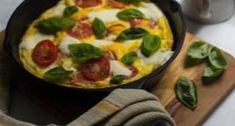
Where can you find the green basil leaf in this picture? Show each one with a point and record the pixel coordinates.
(129, 58)
(135, 2)
(99, 28)
(68, 11)
(150, 44)
(83, 52)
(54, 24)
(211, 72)
(198, 50)
(186, 92)
(132, 33)
(118, 79)
(57, 74)
(217, 59)
(129, 14)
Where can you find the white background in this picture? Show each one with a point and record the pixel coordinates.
(221, 35)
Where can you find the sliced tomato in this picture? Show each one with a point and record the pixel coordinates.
(81, 30)
(116, 4)
(45, 53)
(88, 3)
(135, 22)
(134, 72)
(96, 69)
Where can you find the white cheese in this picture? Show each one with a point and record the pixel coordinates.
(105, 15)
(101, 43)
(159, 57)
(64, 45)
(58, 10)
(30, 42)
(118, 69)
(151, 11)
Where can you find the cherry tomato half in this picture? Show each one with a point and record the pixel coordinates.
(116, 4)
(88, 3)
(134, 72)
(81, 30)
(96, 69)
(45, 53)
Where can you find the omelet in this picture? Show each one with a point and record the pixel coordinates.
(97, 43)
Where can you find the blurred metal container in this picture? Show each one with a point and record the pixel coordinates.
(208, 11)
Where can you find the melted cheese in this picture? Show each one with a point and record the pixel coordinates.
(66, 42)
(105, 15)
(119, 69)
(101, 43)
(151, 11)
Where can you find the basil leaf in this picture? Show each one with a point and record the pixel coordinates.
(135, 2)
(150, 44)
(68, 11)
(83, 52)
(132, 33)
(186, 92)
(54, 24)
(211, 72)
(57, 74)
(118, 79)
(217, 59)
(198, 50)
(129, 14)
(129, 58)
(99, 28)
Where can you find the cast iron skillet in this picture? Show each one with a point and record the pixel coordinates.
(29, 10)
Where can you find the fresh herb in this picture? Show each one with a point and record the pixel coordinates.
(99, 28)
(198, 50)
(57, 74)
(54, 24)
(129, 58)
(135, 2)
(186, 92)
(132, 33)
(68, 11)
(211, 72)
(129, 14)
(118, 79)
(217, 59)
(81, 53)
(150, 44)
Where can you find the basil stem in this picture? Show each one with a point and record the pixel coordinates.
(54, 24)
(68, 11)
(217, 59)
(57, 74)
(83, 52)
(129, 58)
(118, 79)
(198, 50)
(150, 44)
(99, 28)
(211, 72)
(129, 14)
(186, 92)
(132, 33)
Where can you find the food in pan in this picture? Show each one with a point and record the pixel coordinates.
(97, 43)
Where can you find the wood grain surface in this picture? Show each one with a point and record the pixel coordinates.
(210, 94)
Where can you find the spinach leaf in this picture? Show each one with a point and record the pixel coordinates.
(217, 59)
(186, 92)
(68, 11)
(83, 52)
(54, 24)
(57, 74)
(150, 44)
(211, 72)
(135, 2)
(99, 28)
(118, 79)
(198, 50)
(129, 14)
(129, 58)
(132, 33)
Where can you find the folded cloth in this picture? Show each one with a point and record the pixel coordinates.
(126, 107)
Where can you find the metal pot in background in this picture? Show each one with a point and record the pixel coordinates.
(208, 11)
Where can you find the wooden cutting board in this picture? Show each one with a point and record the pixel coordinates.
(210, 94)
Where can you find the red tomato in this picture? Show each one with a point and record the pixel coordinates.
(96, 69)
(81, 30)
(45, 53)
(88, 3)
(134, 72)
(116, 4)
(135, 22)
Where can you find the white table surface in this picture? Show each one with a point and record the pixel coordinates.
(221, 35)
